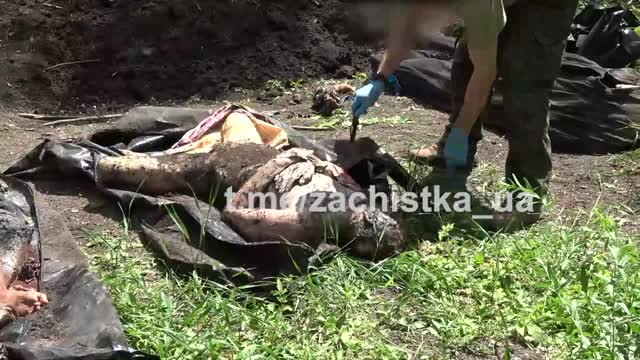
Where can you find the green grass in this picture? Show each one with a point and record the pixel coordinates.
(571, 291)
(341, 119)
(487, 179)
(627, 163)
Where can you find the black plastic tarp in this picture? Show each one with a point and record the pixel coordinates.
(80, 321)
(606, 35)
(589, 114)
(211, 247)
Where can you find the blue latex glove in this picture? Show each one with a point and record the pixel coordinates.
(366, 96)
(456, 149)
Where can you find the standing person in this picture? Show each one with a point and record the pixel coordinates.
(522, 42)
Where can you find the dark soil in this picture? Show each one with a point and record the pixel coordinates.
(161, 50)
(29, 271)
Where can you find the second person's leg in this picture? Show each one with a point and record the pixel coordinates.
(530, 55)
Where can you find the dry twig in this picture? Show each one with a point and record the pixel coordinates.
(310, 128)
(81, 120)
(47, 117)
(52, 6)
(72, 63)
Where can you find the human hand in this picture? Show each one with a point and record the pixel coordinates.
(456, 149)
(366, 96)
(24, 301)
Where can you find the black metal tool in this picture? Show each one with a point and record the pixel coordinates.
(355, 122)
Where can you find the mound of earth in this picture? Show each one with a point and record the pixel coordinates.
(139, 51)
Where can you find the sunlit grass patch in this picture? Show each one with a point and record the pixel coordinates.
(568, 291)
(627, 163)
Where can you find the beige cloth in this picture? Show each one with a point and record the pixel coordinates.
(237, 128)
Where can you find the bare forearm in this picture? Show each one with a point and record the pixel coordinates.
(394, 54)
(401, 39)
(476, 97)
(479, 86)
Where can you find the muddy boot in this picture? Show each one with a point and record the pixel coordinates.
(474, 216)
(510, 222)
(455, 181)
(516, 217)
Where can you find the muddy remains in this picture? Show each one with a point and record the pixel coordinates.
(29, 271)
(249, 169)
(19, 268)
(15, 236)
(203, 175)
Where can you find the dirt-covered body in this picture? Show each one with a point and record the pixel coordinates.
(201, 175)
(295, 179)
(304, 189)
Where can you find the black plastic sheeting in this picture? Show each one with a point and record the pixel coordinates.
(213, 248)
(80, 321)
(588, 113)
(606, 35)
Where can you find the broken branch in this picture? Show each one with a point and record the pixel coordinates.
(72, 63)
(47, 117)
(81, 120)
(311, 128)
(52, 6)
